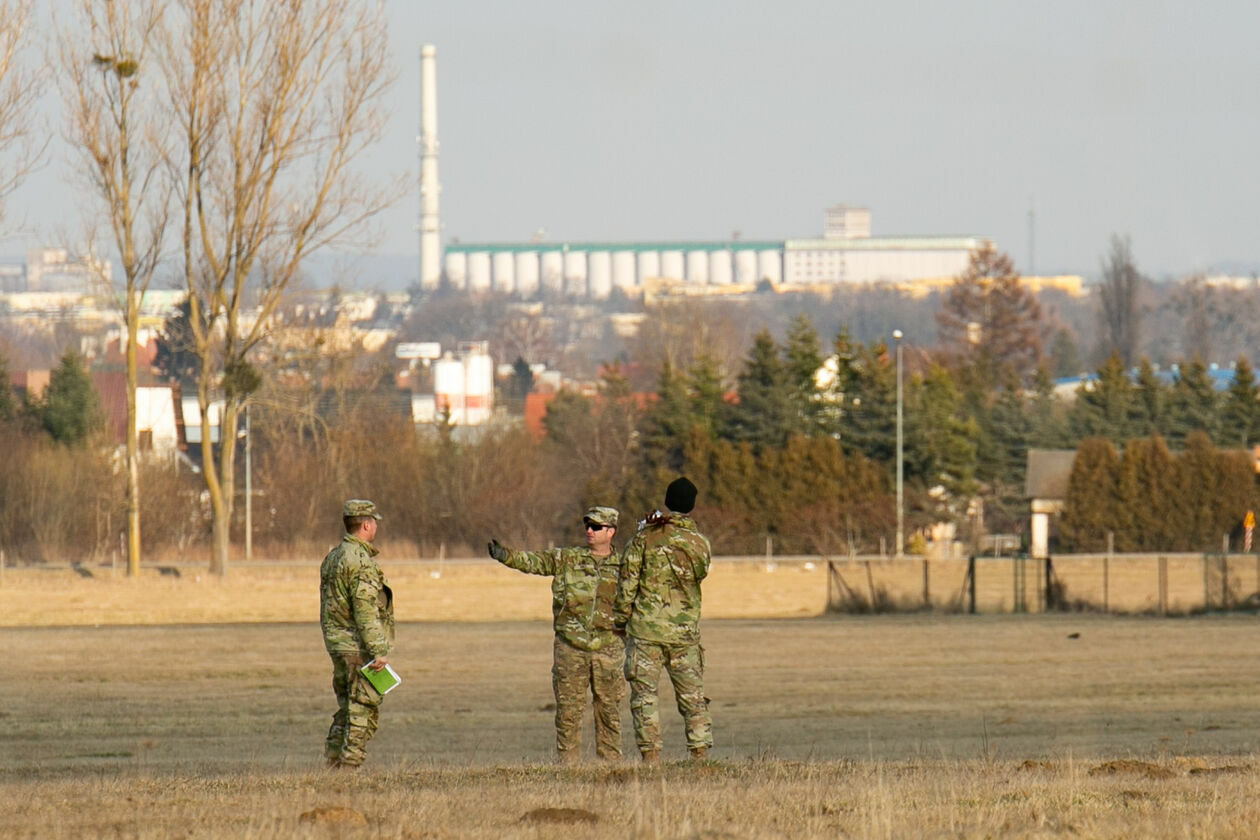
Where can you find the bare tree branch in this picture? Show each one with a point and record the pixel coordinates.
(22, 139)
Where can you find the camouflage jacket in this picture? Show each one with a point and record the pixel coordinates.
(582, 590)
(356, 605)
(658, 599)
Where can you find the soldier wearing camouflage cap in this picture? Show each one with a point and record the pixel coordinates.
(587, 650)
(356, 609)
(658, 604)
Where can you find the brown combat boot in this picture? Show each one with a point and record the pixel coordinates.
(651, 756)
(699, 753)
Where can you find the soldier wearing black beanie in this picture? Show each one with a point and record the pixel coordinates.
(658, 605)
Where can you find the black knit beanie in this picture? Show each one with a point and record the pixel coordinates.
(680, 496)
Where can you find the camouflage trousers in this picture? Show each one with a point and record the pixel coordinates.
(358, 708)
(685, 665)
(572, 671)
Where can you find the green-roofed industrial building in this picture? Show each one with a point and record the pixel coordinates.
(845, 254)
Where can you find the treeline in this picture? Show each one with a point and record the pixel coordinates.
(1147, 498)
(794, 444)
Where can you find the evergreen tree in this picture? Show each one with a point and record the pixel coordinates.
(733, 500)
(1006, 431)
(70, 408)
(708, 397)
(1240, 409)
(1199, 499)
(1065, 358)
(1146, 410)
(1048, 428)
(870, 405)
(764, 415)
(1103, 406)
(1090, 508)
(176, 357)
(1150, 496)
(667, 422)
(830, 503)
(801, 361)
(940, 441)
(837, 394)
(1192, 405)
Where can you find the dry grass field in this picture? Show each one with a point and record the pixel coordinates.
(886, 726)
(425, 590)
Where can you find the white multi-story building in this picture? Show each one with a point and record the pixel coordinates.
(53, 270)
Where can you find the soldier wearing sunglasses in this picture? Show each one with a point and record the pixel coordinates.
(588, 650)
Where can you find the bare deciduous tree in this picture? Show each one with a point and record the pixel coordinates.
(21, 143)
(1120, 300)
(111, 90)
(273, 103)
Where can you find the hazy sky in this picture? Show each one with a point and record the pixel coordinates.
(694, 118)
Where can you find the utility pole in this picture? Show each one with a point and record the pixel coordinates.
(901, 523)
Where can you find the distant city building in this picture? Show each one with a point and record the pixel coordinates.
(845, 254)
(53, 270)
(841, 221)
(12, 278)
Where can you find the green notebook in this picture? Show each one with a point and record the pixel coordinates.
(383, 680)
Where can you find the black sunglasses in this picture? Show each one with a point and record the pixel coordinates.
(595, 526)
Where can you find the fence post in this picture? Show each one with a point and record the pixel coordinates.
(1, 567)
(1163, 585)
(1047, 572)
(927, 594)
(971, 579)
(830, 572)
(1207, 582)
(1225, 581)
(1017, 578)
(1111, 545)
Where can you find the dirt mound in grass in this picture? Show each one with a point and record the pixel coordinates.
(1132, 767)
(560, 815)
(1224, 769)
(333, 816)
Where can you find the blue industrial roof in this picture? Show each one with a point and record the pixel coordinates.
(1221, 377)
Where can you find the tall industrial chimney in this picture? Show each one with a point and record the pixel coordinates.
(430, 229)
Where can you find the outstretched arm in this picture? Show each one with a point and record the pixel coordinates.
(530, 562)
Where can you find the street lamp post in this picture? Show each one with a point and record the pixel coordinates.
(901, 523)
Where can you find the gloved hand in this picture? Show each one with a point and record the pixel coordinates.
(497, 551)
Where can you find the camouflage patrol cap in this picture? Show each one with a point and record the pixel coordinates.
(359, 507)
(601, 515)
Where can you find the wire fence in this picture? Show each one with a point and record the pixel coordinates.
(1156, 584)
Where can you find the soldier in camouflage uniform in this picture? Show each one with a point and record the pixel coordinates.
(658, 603)
(587, 649)
(356, 609)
